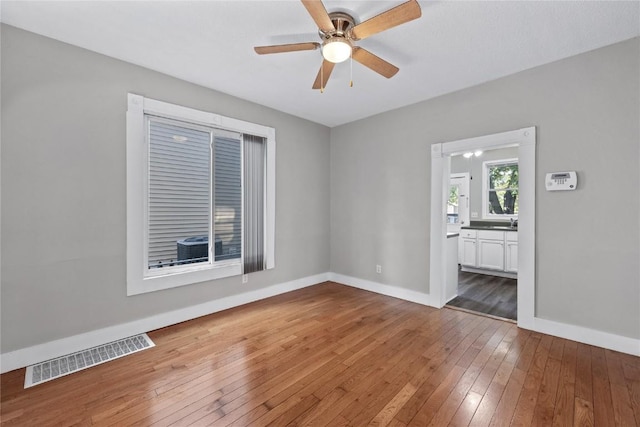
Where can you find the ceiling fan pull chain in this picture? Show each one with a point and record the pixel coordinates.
(322, 78)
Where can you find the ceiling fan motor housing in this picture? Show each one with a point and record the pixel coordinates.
(337, 42)
(343, 23)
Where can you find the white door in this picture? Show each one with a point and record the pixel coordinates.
(458, 202)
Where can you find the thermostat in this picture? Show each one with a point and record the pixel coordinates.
(559, 181)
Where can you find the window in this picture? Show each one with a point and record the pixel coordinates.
(452, 204)
(500, 189)
(200, 196)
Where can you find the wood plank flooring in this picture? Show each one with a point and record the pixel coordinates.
(331, 355)
(497, 296)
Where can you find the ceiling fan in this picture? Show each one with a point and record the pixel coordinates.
(338, 32)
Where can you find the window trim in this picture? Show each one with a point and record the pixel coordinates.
(137, 181)
(485, 188)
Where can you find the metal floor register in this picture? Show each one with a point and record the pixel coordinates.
(65, 365)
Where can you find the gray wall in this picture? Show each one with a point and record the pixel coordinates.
(586, 110)
(64, 186)
(473, 166)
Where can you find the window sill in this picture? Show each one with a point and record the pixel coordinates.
(182, 278)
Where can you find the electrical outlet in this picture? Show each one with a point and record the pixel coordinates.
(245, 278)
(378, 268)
(474, 214)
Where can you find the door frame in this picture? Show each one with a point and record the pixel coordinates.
(525, 140)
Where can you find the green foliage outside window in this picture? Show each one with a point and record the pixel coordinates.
(503, 189)
(453, 195)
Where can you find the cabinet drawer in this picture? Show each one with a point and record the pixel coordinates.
(511, 236)
(469, 234)
(490, 235)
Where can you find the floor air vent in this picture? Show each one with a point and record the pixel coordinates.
(65, 365)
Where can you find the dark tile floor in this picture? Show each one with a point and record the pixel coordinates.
(482, 293)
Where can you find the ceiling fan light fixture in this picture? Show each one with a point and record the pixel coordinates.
(336, 49)
(470, 154)
(339, 33)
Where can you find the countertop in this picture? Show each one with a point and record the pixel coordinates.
(489, 226)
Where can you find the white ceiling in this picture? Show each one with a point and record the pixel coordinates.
(453, 45)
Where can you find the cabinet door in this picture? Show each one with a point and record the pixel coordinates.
(511, 257)
(467, 252)
(491, 254)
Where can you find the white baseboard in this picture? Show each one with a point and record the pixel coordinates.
(587, 336)
(42, 352)
(506, 274)
(452, 298)
(549, 327)
(379, 288)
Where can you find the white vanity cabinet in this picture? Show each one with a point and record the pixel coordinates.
(491, 249)
(467, 255)
(511, 252)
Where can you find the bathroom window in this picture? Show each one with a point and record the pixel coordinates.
(500, 189)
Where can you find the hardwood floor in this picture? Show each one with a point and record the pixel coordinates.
(338, 356)
(497, 296)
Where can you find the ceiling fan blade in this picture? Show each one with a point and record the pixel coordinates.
(279, 48)
(319, 14)
(323, 74)
(405, 12)
(377, 64)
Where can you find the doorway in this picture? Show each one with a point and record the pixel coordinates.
(488, 242)
(524, 140)
(458, 202)
(486, 294)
